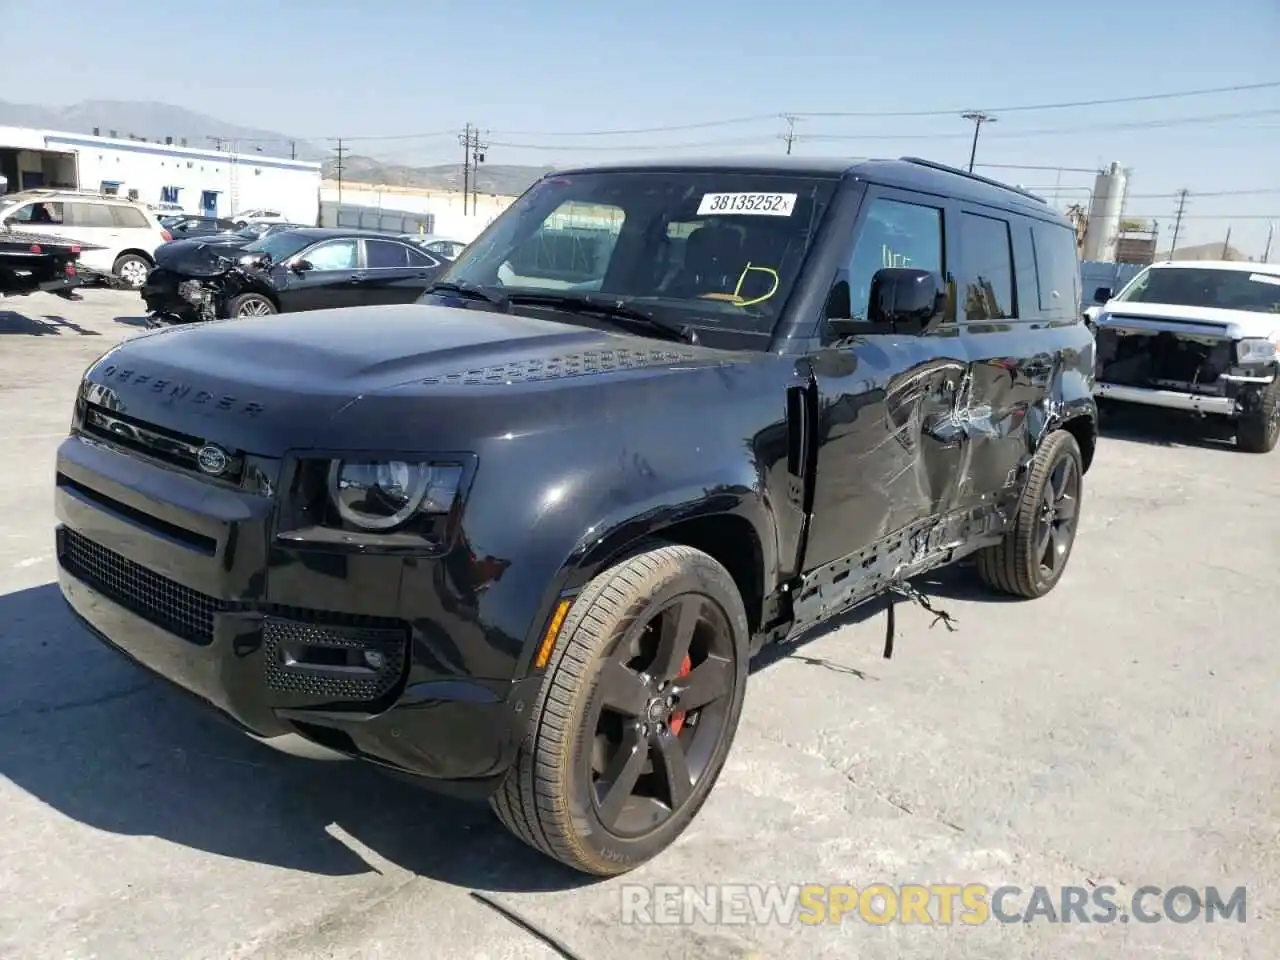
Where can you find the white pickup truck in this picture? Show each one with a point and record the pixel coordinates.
(1200, 336)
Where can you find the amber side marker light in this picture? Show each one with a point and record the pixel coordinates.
(553, 631)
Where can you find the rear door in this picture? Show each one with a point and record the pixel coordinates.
(879, 468)
(1006, 315)
(331, 280)
(91, 224)
(395, 272)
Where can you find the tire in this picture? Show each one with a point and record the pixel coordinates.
(1047, 517)
(132, 269)
(612, 638)
(1259, 429)
(250, 305)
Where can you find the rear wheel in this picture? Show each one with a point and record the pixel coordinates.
(250, 305)
(132, 269)
(1031, 559)
(1259, 429)
(636, 715)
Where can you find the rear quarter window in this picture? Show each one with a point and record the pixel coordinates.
(129, 218)
(1058, 270)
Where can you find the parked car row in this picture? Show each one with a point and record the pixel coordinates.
(284, 269)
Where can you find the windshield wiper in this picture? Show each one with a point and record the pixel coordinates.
(472, 290)
(614, 309)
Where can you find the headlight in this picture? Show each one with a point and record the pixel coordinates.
(1255, 351)
(383, 494)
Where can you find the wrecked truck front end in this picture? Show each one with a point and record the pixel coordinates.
(1197, 366)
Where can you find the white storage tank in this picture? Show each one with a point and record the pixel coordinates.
(1103, 227)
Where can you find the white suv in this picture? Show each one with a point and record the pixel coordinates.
(125, 230)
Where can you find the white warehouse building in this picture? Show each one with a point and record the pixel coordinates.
(211, 182)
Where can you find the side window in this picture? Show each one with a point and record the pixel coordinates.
(1058, 269)
(420, 258)
(986, 269)
(225, 224)
(38, 213)
(893, 234)
(333, 255)
(128, 218)
(385, 255)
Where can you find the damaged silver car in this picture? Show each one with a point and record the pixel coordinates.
(1197, 336)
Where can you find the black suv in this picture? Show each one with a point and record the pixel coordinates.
(522, 539)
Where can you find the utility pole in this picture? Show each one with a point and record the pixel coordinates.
(790, 136)
(1226, 246)
(218, 142)
(293, 149)
(477, 157)
(338, 164)
(1266, 254)
(1177, 221)
(978, 118)
(465, 140)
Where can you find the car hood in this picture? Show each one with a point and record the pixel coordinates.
(265, 385)
(199, 257)
(1236, 324)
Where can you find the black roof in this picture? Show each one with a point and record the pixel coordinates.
(328, 233)
(907, 173)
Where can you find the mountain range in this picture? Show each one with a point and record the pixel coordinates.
(154, 121)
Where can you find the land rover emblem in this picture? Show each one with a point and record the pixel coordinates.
(212, 460)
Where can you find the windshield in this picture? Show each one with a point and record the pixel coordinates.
(1205, 287)
(718, 249)
(279, 246)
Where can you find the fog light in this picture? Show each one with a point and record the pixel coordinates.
(374, 660)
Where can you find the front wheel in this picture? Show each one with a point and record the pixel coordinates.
(250, 305)
(1259, 430)
(1031, 558)
(132, 269)
(636, 715)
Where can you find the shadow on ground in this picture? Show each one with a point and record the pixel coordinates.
(106, 744)
(1167, 428)
(49, 324)
(133, 321)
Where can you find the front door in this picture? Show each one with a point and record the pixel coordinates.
(395, 272)
(881, 463)
(209, 203)
(330, 277)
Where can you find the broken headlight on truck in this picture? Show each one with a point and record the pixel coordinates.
(383, 494)
(401, 502)
(1255, 351)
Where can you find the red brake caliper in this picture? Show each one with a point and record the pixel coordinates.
(677, 719)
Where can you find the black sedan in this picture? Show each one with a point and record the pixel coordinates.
(189, 227)
(309, 268)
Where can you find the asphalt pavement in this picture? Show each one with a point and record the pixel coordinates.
(1119, 732)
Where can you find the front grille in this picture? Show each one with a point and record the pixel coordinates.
(166, 603)
(308, 653)
(169, 446)
(330, 661)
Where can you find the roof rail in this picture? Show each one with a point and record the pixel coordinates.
(934, 165)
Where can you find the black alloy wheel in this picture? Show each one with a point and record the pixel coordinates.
(657, 720)
(1033, 555)
(636, 715)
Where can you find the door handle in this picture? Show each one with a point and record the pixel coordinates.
(358, 278)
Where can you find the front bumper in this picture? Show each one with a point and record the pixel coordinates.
(361, 654)
(1169, 399)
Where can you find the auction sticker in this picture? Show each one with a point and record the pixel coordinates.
(1255, 277)
(757, 204)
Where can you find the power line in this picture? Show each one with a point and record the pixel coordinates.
(892, 137)
(1019, 108)
(886, 114)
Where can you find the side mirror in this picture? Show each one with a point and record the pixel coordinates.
(1102, 295)
(301, 266)
(905, 300)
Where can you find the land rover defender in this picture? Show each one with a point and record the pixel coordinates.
(521, 539)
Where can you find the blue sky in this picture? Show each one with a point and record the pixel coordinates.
(529, 72)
